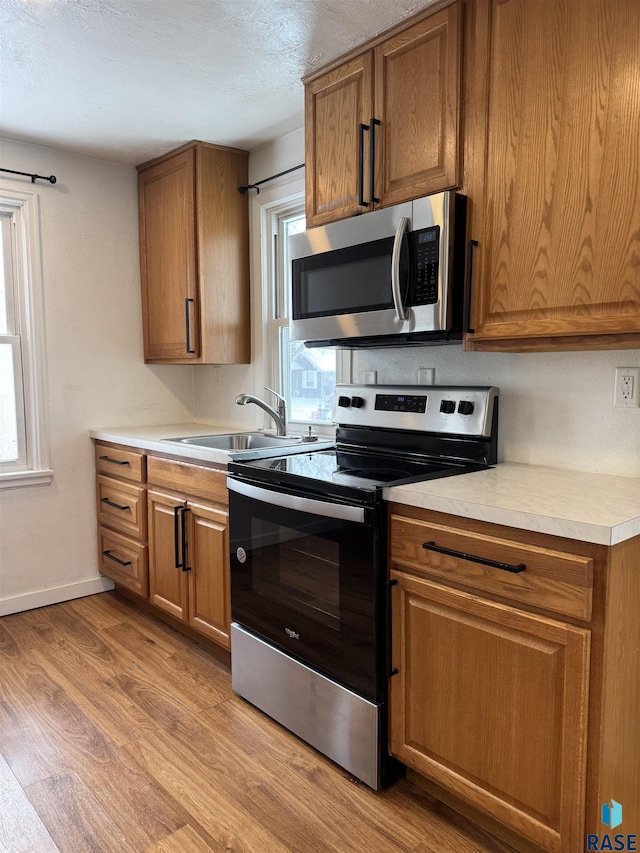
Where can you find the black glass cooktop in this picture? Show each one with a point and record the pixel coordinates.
(344, 468)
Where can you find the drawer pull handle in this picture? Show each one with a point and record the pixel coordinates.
(114, 504)
(506, 567)
(110, 556)
(114, 461)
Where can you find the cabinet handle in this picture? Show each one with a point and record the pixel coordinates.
(372, 162)
(506, 567)
(391, 670)
(187, 323)
(180, 538)
(361, 130)
(176, 536)
(114, 504)
(113, 461)
(110, 556)
(185, 567)
(471, 244)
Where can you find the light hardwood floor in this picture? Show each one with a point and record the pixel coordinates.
(119, 735)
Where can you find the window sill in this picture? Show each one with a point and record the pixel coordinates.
(15, 479)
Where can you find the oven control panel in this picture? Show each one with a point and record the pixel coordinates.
(449, 409)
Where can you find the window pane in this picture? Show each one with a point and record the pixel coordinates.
(5, 256)
(8, 421)
(313, 380)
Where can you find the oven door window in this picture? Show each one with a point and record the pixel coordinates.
(307, 584)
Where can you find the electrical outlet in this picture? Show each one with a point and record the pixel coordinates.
(217, 377)
(627, 392)
(426, 375)
(370, 377)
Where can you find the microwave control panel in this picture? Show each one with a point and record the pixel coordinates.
(427, 258)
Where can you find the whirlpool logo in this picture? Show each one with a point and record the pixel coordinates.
(611, 815)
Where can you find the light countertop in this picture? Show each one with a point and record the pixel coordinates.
(150, 438)
(574, 504)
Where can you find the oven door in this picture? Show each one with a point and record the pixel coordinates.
(306, 576)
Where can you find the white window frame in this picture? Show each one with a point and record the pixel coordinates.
(272, 282)
(27, 339)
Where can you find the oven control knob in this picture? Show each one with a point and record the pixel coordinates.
(345, 402)
(357, 402)
(465, 407)
(448, 407)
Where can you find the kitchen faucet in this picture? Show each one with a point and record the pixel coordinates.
(279, 416)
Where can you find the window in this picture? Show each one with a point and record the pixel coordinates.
(23, 456)
(306, 378)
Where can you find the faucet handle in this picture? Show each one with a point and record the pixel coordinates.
(275, 394)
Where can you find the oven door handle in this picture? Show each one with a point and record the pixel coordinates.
(296, 502)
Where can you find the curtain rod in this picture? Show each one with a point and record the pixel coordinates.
(52, 178)
(257, 184)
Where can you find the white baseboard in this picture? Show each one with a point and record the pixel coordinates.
(43, 597)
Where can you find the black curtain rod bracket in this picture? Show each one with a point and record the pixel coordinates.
(52, 178)
(257, 184)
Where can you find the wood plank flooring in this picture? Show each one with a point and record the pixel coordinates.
(119, 735)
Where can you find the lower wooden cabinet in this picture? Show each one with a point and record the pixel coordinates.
(491, 703)
(124, 560)
(189, 545)
(188, 563)
(517, 677)
(163, 535)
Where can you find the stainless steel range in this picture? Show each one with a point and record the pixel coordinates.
(310, 634)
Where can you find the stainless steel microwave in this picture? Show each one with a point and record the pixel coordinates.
(392, 277)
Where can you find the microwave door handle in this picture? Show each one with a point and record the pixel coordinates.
(401, 311)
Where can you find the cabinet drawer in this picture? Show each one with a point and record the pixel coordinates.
(117, 462)
(123, 506)
(123, 560)
(196, 480)
(551, 580)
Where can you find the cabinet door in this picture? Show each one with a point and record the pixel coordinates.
(336, 104)
(170, 306)
(559, 244)
(208, 546)
(167, 582)
(417, 100)
(491, 704)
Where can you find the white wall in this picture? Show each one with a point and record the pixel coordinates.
(95, 371)
(556, 409)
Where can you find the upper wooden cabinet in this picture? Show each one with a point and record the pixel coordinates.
(552, 170)
(382, 127)
(194, 256)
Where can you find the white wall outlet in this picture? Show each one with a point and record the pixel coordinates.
(217, 377)
(426, 376)
(627, 391)
(370, 377)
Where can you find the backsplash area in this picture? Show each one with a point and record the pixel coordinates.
(556, 409)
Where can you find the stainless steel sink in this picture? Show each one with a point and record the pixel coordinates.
(237, 441)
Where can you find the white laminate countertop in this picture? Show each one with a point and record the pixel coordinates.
(150, 438)
(588, 507)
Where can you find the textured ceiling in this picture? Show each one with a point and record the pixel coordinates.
(129, 79)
